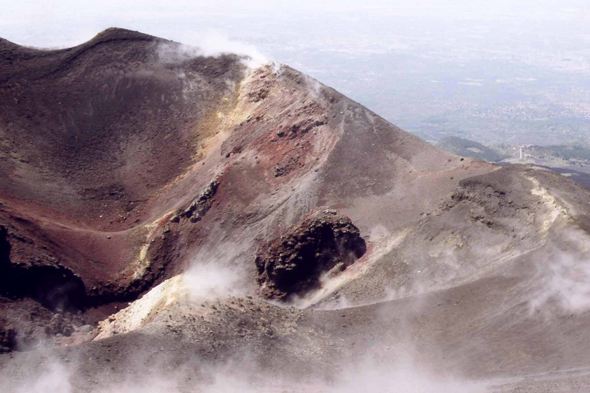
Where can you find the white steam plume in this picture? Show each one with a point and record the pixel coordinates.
(212, 275)
(52, 377)
(564, 271)
(364, 376)
(209, 280)
(211, 44)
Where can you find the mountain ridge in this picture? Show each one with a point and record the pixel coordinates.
(151, 181)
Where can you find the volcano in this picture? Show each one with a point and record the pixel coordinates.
(176, 222)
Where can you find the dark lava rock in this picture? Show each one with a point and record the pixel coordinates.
(200, 206)
(287, 166)
(294, 262)
(7, 338)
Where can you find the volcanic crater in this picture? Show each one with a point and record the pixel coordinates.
(202, 212)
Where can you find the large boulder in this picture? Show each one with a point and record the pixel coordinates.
(294, 262)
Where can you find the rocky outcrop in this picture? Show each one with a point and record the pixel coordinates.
(293, 263)
(7, 337)
(201, 205)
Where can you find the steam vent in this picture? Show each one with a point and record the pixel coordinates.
(175, 222)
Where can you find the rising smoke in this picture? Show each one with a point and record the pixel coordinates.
(211, 44)
(243, 376)
(564, 273)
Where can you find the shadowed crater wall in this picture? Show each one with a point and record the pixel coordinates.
(55, 287)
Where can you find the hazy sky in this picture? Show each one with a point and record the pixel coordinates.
(479, 69)
(67, 22)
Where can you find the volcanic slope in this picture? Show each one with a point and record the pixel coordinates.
(131, 163)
